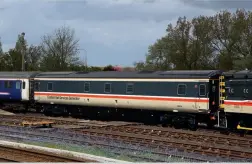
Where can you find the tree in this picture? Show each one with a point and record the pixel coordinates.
(224, 38)
(33, 58)
(222, 41)
(94, 69)
(2, 63)
(201, 50)
(14, 56)
(139, 66)
(109, 68)
(179, 43)
(243, 46)
(158, 57)
(60, 49)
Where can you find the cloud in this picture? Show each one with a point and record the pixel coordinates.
(115, 10)
(111, 31)
(220, 4)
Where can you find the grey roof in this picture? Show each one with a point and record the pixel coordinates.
(143, 74)
(17, 74)
(238, 74)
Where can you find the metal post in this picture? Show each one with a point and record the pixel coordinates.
(86, 64)
(22, 51)
(218, 118)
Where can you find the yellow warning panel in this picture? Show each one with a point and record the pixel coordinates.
(243, 128)
(41, 123)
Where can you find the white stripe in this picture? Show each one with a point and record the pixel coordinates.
(121, 79)
(4, 93)
(237, 100)
(122, 95)
(10, 79)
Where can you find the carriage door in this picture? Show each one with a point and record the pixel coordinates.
(201, 103)
(25, 93)
(213, 95)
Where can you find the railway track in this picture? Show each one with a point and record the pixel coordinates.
(6, 160)
(186, 141)
(18, 135)
(171, 133)
(10, 154)
(17, 119)
(202, 141)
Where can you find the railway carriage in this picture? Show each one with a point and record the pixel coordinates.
(238, 101)
(176, 96)
(15, 90)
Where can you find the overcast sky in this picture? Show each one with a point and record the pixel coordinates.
(112, 31)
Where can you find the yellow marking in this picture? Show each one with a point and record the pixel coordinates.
(222, 83)
(243, 128)
(222, 98)
(222, 106)
(26, 123)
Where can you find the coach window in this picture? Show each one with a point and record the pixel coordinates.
(130, 88)
(7, 84)
(107, 87)
(18, 85)
(36, 87)
(49, 86)
(86, 87)
(181, 90)
(202, 90)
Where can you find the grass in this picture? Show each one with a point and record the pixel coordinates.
(93, 150)
(99, 151)
(88, 150)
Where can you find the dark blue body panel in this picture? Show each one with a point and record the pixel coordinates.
(10, 90)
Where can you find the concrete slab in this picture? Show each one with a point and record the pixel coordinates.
(3, 112)
(70, 126)
(61, 152)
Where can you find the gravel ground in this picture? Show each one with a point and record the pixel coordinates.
(64, 139)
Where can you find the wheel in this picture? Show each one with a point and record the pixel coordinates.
(210, 124)
(192, 124)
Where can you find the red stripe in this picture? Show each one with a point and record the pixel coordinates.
(123, 97)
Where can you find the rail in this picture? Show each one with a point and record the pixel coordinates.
(12, 154)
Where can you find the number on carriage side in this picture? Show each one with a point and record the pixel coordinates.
(231, 90)
(245, 91)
